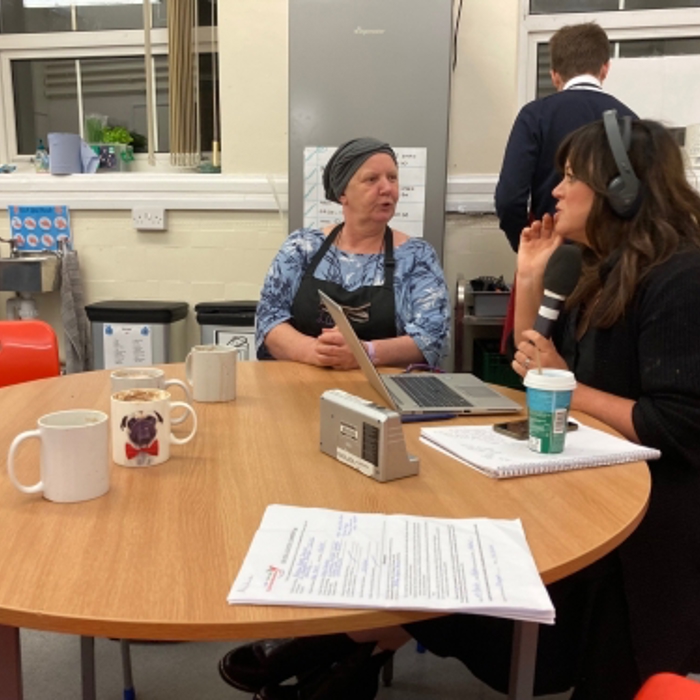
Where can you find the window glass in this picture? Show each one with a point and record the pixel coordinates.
(659, 4)
(636, 48)
(206, 87)
(45, 100)
(546, 7)
(16, 19)
(660, 47)
(33, 16)
(544, 80)
(115, 88)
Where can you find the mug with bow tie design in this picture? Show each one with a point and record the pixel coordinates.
(141, 420)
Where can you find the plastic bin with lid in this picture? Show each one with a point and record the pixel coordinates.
(228, 323)
(137, 333)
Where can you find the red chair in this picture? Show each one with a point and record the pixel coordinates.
(28, 350)
(668, 686)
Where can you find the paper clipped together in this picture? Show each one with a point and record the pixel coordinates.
(313, 557)
(500, 456)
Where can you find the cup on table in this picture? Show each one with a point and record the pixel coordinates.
(548, 401)
(211, 371)
(141, 423)
(74, 462)
(148, 378)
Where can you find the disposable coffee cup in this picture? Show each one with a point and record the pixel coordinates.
(548, 401)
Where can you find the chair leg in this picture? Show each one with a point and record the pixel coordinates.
(87, 668)
(388, 672)
(129, 692)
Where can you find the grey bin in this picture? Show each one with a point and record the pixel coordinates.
(128, 333)
(229, 323)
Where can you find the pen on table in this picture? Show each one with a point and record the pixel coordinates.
(420, 417)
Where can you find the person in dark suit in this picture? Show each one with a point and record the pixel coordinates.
(580, 61)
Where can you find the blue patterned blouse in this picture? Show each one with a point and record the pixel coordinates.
(422, 300)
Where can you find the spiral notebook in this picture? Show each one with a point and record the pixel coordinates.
(500, 457)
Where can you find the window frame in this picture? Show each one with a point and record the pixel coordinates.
(620, 25)
(71, 45)
(165, 185)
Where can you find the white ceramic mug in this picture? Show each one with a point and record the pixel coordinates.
(141, 423)
(147, 378)
(211, 370)
(74, 464)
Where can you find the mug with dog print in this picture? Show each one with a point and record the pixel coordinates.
(141, 423)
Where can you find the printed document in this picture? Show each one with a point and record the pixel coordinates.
(326, 558)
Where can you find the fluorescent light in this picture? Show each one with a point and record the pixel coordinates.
(68, 3)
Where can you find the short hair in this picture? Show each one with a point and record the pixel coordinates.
(577, 49)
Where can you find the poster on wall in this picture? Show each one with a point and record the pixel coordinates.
(319, 212)
(39, 229)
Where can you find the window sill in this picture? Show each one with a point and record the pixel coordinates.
(127, 190)
(465, 194)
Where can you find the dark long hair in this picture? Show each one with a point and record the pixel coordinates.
(623, 251)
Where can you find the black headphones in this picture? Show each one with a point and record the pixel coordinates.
(624, 190)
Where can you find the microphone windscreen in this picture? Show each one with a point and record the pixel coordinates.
(563, 270)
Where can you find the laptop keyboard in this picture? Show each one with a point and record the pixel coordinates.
(427, 390)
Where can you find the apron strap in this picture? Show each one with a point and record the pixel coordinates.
(325, 247)
(389, 262)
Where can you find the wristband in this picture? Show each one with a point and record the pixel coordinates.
(371, 353)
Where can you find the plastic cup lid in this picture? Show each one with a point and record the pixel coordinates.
(550, 380)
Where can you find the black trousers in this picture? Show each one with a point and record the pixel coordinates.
(589, 648)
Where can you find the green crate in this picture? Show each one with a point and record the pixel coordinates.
(493, 367)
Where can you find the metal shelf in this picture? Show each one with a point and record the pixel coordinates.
(483, 320)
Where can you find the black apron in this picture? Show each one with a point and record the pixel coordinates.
(370, 310)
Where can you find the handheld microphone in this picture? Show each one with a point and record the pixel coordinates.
(560, 279)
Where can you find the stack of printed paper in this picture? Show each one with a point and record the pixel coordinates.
(325, 558)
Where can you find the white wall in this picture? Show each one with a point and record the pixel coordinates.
(254, 95)
(210, 256)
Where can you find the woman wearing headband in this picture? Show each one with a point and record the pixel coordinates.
(629, 334)
(391, 286)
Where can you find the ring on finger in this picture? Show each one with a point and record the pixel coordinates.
(527, 363)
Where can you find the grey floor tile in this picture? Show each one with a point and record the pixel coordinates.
(187, 671)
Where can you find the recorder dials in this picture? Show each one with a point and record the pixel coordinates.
(365, 436)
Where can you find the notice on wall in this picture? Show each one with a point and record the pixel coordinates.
(127, 345)
(38, 229)
(319, 212)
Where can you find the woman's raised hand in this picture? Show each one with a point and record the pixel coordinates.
(537, 243)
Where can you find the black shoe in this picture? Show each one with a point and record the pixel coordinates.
(354, 678)
(273, 661)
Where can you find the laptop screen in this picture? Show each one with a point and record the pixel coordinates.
(357, 348)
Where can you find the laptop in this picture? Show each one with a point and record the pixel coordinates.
(424, 393)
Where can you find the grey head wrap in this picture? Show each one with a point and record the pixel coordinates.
(346, 161)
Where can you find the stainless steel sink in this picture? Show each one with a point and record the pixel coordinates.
(30, 273)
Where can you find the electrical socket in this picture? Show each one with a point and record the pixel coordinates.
(148, 218)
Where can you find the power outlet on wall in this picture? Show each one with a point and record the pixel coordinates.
(148, 218)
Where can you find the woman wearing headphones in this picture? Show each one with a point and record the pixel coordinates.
(629, 333)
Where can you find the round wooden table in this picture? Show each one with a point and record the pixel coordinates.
(156, 556)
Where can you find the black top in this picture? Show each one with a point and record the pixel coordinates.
(652, 356)
(528, 170)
